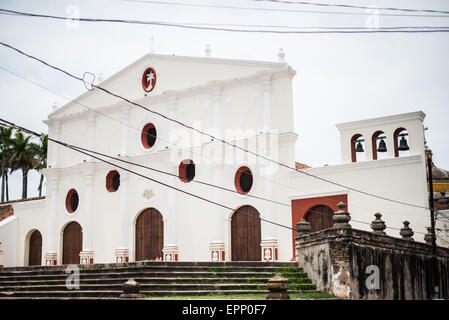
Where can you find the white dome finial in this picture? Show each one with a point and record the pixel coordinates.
(100, 77)
(55, 105)
(208, 50)
(281, 55)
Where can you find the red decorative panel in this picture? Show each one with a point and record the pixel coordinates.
(149, 79)
(301, 206)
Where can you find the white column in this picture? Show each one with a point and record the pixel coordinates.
(217, 246)
(266, 86)
(51, 256)
(269, 242)
(87, 254)
(90, 132)
(125, 120)
(55, 135)
(171, 249)
(122, 250)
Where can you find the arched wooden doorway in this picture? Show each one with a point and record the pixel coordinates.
(72, 243)
(320, 218)
(35, 249)
(149, 235)
(246, 235)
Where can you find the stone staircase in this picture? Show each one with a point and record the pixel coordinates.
(156, 279)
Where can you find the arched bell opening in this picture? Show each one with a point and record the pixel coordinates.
(379, 143)
(357, 148)
(401, 142)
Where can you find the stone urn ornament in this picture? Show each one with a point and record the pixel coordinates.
(378, 225)
(277, 287)
(341, 217)
(131, 290)
(407, 232)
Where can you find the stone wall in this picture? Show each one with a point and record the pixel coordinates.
(357, 264)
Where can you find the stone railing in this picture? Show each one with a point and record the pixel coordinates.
(356, 264)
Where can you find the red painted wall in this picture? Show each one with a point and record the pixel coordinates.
(301, 206)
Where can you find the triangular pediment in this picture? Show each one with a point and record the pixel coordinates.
(171, 73)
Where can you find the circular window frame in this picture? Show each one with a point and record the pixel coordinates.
(70, 211)
(110, 181)
(143, 136)
(182, 173)
(147, 70)
(237, 177)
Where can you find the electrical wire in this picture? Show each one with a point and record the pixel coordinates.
(208, 28)
(96, 155)
(289, 187)
(89, 153)
(281, 10)
(352, 6)
(206, 134)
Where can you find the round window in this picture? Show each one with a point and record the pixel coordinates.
(72, 201)
(243, 180)
(186, 170)
(113, 181)
(149, 135)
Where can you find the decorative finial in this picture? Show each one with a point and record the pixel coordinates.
(341, 217)
(407, 232)
(100, 77)
(428, 236)
(378, 225)
(208, 50)
(302, 227)
(281, 55)
(55, 105)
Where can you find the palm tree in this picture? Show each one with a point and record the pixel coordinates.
(5, 154)
(23, 158)
(40, 153)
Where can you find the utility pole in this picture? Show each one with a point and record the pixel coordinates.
(431, 205)
(432, 226)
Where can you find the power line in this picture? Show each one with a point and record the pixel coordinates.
(97, 154)
(281, 10)
(206, 134)
(209, 28)
(148, 133)
(352, 6)
(12, 125)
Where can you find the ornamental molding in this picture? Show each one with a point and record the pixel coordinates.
(418, 115)
(362, 165)
(165, 97)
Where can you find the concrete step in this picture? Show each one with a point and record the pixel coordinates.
(155, 279)
(140, 264)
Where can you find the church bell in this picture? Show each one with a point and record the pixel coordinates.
(359, 147)
(382, 146)
(403, 146)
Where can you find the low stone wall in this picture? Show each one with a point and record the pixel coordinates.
(357, 264)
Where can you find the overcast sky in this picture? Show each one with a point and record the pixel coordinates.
(340, 77)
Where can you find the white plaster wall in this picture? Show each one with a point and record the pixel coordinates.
(402, 179)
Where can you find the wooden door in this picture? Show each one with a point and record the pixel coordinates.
(149, 235)
(320, 218)
(72, 243)
(35, 253)
(246, 235)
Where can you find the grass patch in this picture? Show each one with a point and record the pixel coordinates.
(261, 296)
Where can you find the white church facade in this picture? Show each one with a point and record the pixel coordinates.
(97, 212)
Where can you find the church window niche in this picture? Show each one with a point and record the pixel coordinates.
(148, 136)
(243, 180)
(357, 148)
(401, 142)
(72, 201)
(186, 170)
(379, 143)
(112, 181)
